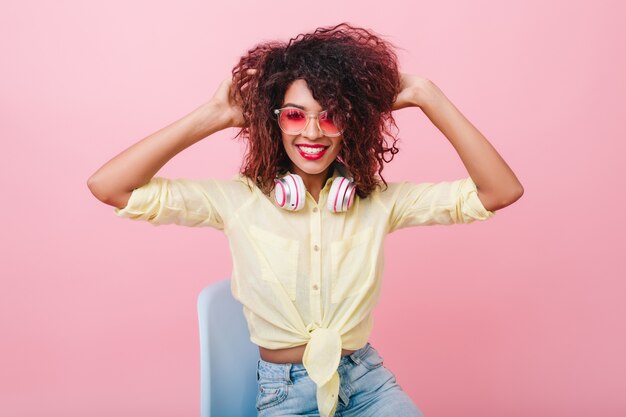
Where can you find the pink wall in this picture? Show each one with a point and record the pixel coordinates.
(521, 315)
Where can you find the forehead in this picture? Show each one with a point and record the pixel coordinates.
(299, 93)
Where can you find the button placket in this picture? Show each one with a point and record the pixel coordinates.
(316, 265)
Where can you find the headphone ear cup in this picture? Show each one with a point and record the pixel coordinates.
(289, 192)
(341, 195)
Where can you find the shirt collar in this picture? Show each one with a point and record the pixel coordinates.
(336, 174)
(329, 181)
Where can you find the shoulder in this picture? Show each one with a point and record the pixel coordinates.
(234, 183)
(382, 197)
(239, 189)
(386, 191)
(241, 183)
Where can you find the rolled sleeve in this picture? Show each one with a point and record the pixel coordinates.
(186, 202)
(446, 202)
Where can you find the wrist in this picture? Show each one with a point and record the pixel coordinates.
(425, 92)
(211, 118)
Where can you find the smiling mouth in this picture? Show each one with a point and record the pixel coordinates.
(312, 153)
(312, 150)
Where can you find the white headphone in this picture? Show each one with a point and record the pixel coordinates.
(290, 193)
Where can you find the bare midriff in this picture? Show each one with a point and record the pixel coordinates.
(289, 355)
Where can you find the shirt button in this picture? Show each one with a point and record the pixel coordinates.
(315, 287)
(316, 248)
(314, 209)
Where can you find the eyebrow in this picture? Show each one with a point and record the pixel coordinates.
(293, 105)
(296, 105)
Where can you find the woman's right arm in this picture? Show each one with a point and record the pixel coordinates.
(115, 181)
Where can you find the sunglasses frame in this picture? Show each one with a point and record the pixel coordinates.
(309, 115)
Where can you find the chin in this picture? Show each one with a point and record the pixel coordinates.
(313, 170)
(312, 167)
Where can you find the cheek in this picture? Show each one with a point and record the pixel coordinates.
(338, 146)
(286, 146)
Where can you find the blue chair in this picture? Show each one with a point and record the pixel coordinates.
(228, 359)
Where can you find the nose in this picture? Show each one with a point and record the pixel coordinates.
(312, 130)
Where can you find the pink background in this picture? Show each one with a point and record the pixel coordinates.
(521, 315)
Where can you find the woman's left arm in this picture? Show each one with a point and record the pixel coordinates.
(496, 183)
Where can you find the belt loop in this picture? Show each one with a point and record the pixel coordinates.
(358, 354)
(288, 372)
(355, 357)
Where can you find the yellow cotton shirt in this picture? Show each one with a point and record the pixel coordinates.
(311, 276)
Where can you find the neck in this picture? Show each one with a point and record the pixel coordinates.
(314, 182)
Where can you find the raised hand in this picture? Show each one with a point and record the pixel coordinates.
(222, 99)
(411, 86)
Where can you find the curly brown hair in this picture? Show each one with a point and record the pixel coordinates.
(348, 70)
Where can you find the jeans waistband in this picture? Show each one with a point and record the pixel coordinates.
(287, 371)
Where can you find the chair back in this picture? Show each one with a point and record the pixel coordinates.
(228, 359)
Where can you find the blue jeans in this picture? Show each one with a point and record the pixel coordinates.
(367, 389)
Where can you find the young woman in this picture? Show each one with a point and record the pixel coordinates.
(307, 214)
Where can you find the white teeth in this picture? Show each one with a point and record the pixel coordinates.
(311, 151)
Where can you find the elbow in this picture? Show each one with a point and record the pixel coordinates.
(105, 195)
(516, 196)
(519, 192)
(95, 189)
(496, 202)
(511, 198)
(91, 182)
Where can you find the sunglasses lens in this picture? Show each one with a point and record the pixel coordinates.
(327, 124)
(293, 121)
